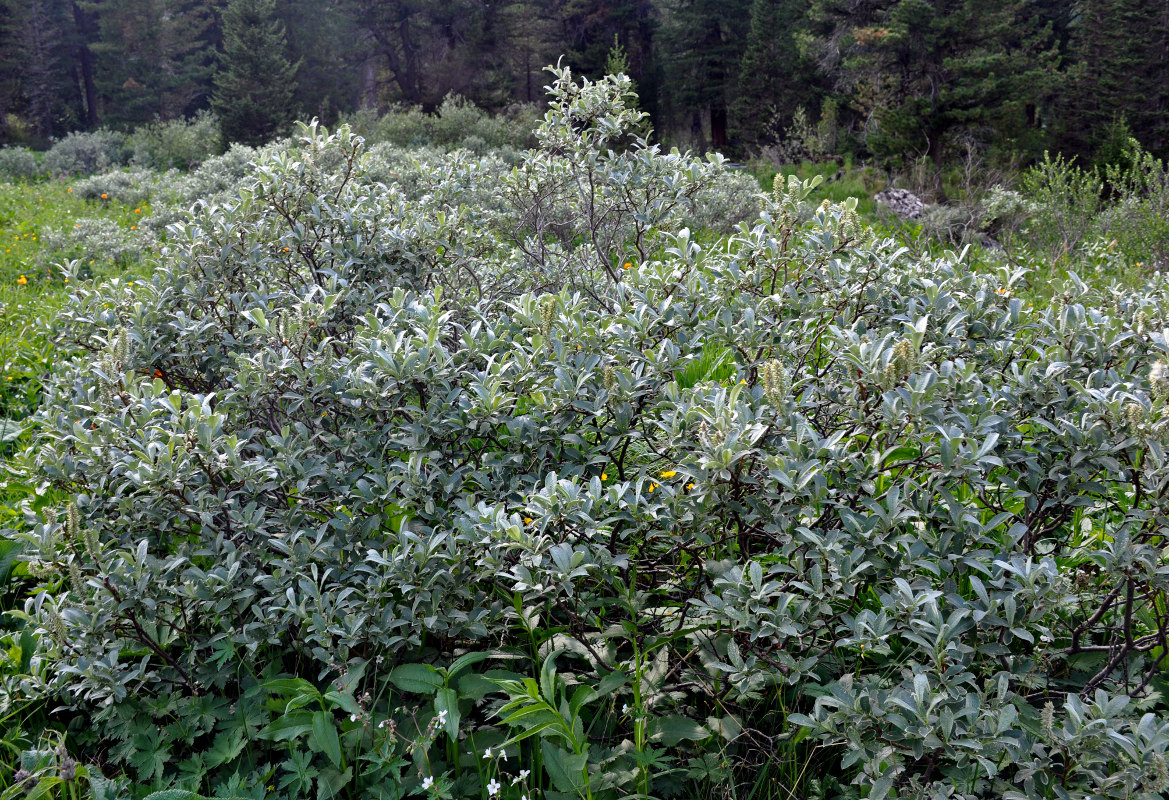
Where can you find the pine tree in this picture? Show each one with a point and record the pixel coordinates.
(775, 78)
(43, 73)
(9, 64)
(322, 38)
(923, 78)
(255, 85)
(1121, 72)
(702, 42)
(153, 59)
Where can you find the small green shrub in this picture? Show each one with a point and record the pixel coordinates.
(456, 123)
(92, 239)
(177, 144)
(132, 187)
(1139, 220)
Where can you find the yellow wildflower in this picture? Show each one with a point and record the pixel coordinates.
(22, 280)
(669, 473)
(604, 476)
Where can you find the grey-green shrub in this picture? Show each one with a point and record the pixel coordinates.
(1064, 209)
(92, 239)
(84, 153)
(351, 440)
(18, 164)
(131, 187)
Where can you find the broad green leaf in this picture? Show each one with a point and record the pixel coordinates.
(448, 700)
(676, 728)
(343, 700)
(464, 661)
(565, 770)
(325, 738)
(288, 726)
(416, 678)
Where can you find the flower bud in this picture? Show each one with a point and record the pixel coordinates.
(92, 544)
(548, 307)
(775, 382)
(72, 522)
(1159, 380)
(1134, 417)
(76, 579)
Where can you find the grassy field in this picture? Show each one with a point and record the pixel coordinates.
(34, 282)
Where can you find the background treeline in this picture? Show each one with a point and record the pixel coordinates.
(898, 80)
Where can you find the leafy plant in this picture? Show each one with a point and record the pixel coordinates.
(788, 502)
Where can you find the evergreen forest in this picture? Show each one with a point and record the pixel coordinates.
(895, 80)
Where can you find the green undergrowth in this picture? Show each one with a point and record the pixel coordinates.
(34, 285)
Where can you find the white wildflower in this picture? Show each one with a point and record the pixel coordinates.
(493, 787)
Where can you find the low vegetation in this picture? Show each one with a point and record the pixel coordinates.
(587, 472)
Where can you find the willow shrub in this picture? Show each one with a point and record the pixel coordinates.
(370, 493)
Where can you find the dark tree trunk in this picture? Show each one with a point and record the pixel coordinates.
(718, 126)
(84, 24)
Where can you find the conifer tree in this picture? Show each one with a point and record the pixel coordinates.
(1121, 72)
(701, 42)
(255, 85)
(152, 59)
(923, 75)
(44, 76)
(775, 78)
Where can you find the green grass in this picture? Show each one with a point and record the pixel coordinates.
(33, 286)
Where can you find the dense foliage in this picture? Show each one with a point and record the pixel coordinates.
(422, 473)
(894, 79)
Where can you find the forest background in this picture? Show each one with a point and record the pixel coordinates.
(896, 81)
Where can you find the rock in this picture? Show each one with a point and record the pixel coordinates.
(901, 202)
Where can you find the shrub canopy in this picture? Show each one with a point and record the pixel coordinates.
(783, 483)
